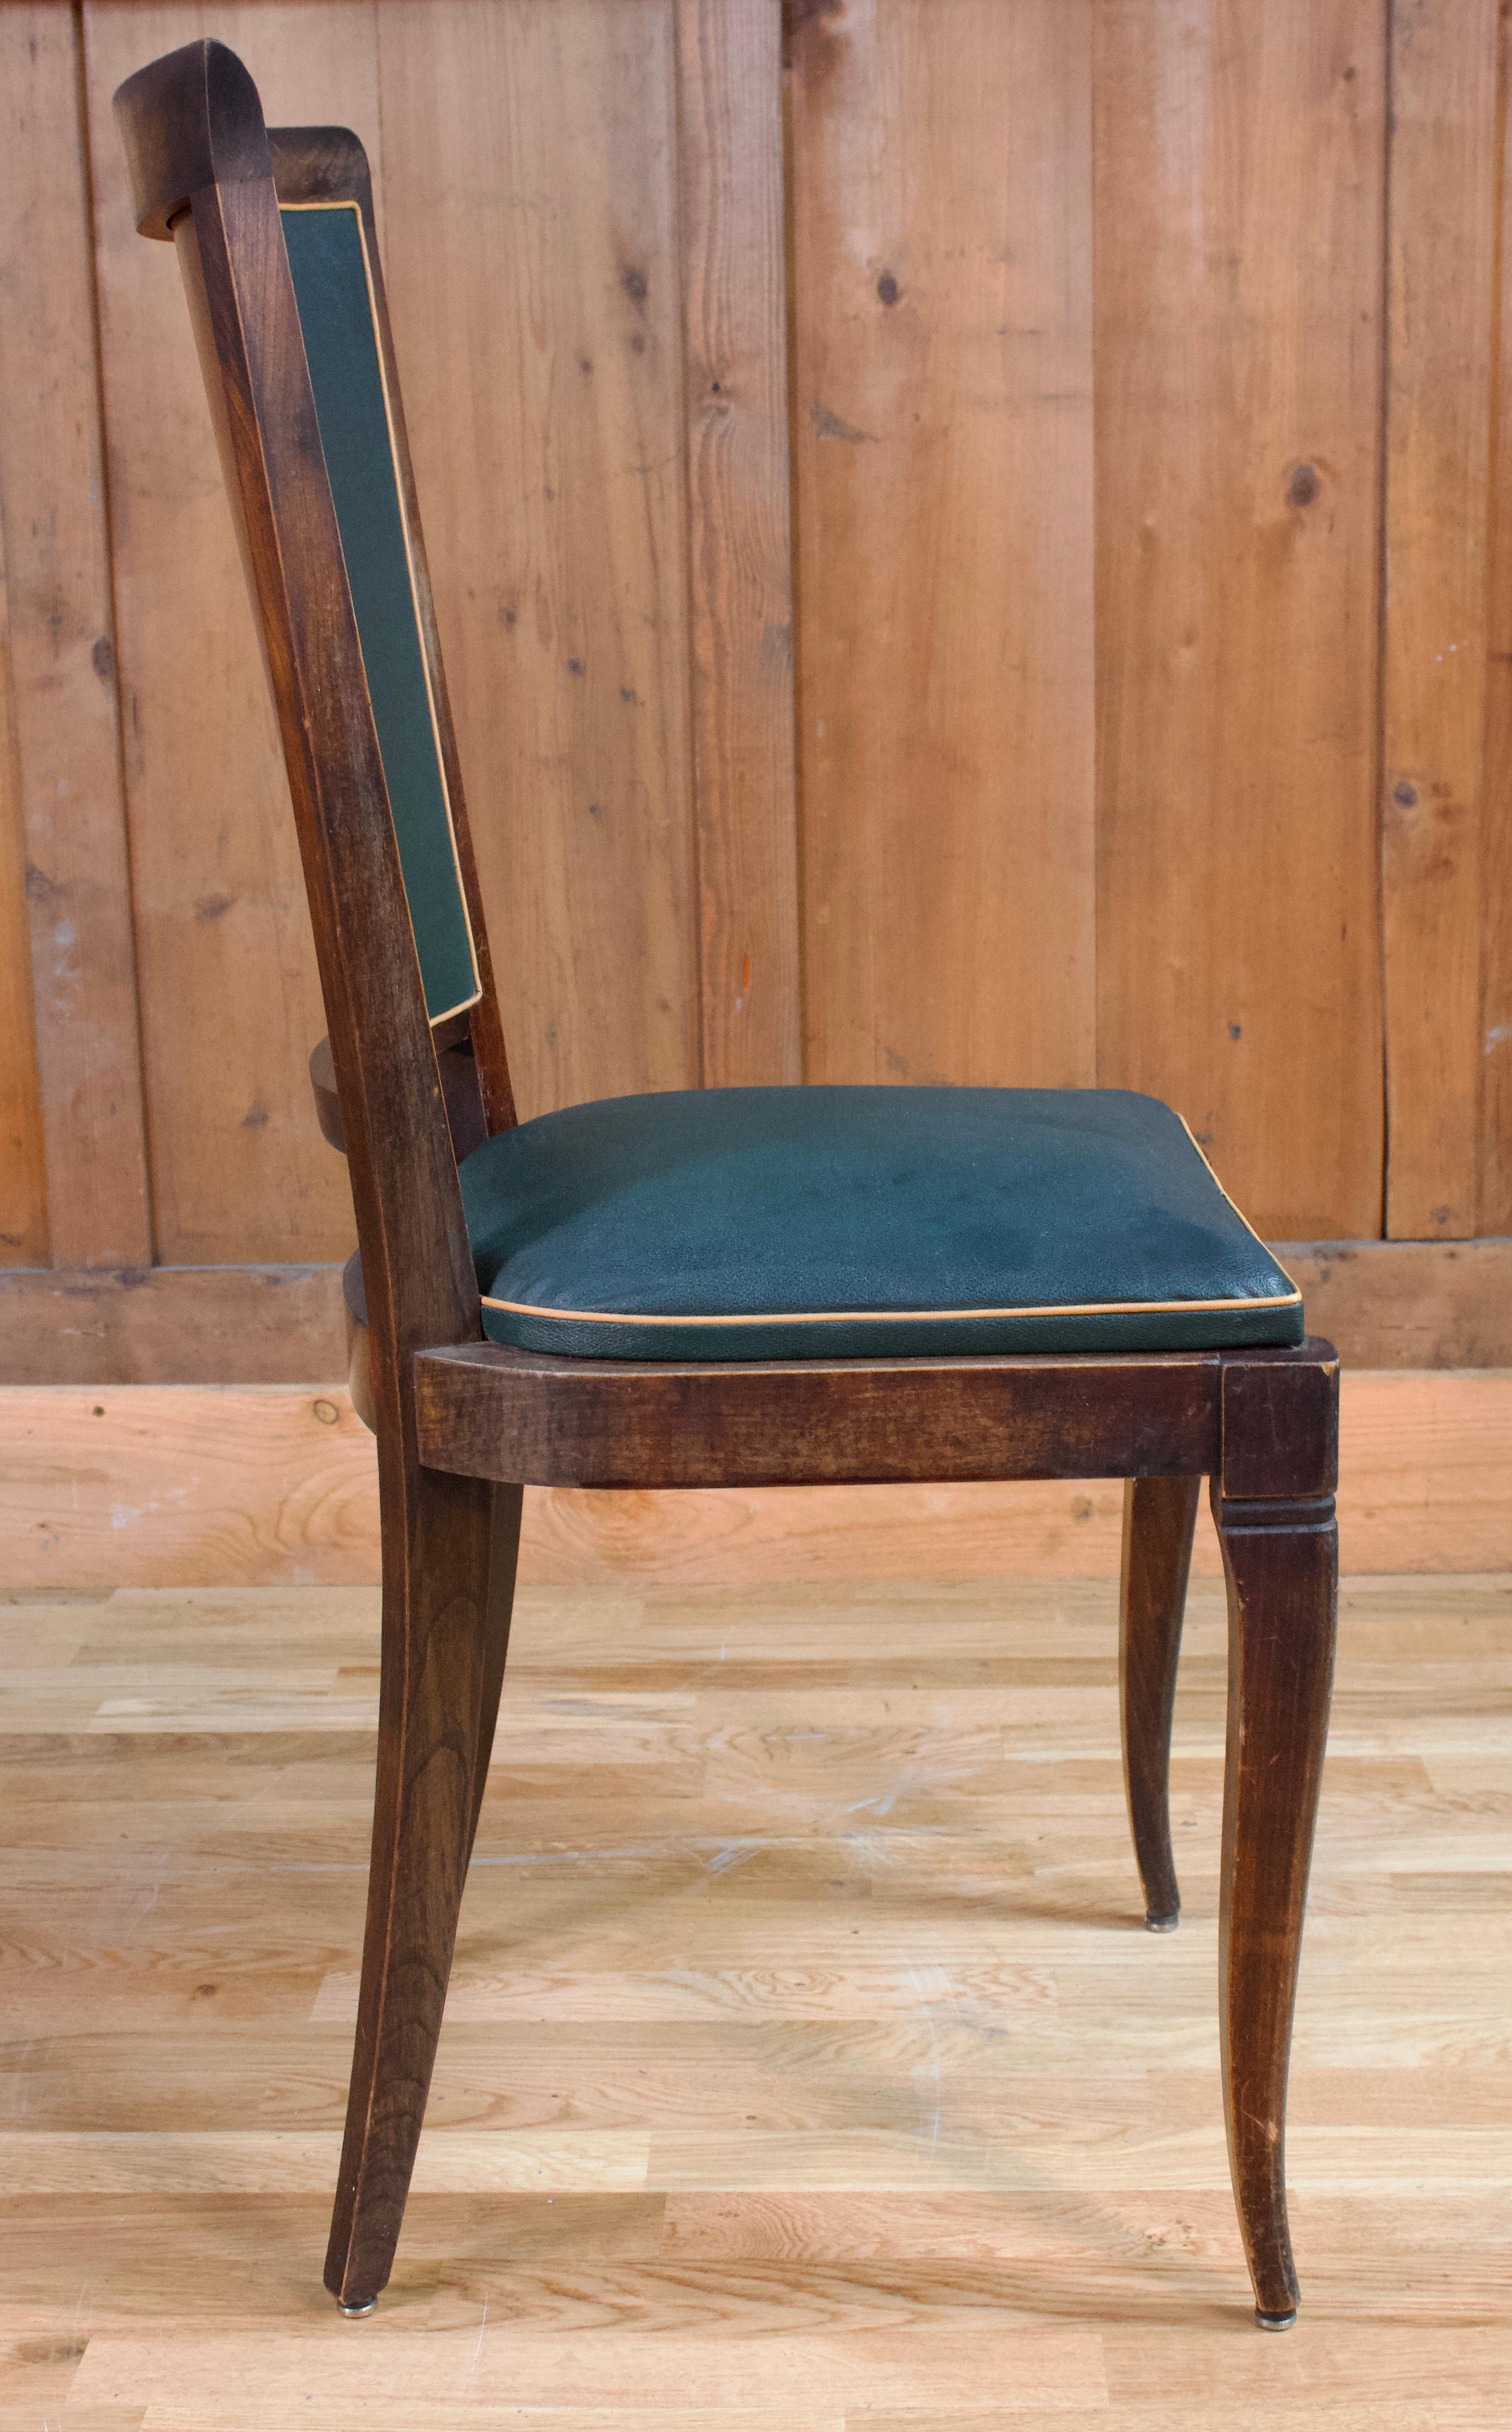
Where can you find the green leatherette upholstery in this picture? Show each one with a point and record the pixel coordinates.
(861, 1223)
(326, 255)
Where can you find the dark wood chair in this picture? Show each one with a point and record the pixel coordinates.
(698, 1289)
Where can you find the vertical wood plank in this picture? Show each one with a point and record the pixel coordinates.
(942, 321)
(1240, 215)
(1494, 1118)
(23, 1165)
(230, 1003)
(533, 264)
(1444, 259)
(65, 734)
(731, 169)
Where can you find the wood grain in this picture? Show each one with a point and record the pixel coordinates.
(1445, 281)
(282, 1482)
(69, 835)
(1227, 315)
(539, 329)
(23, 1168)
(942, 452)
(486, 1412)
(252, 1484)
(1274, 1510)
(436, 1658)
(740, 577)
(1408, 1304)
(1494, 1203)
(181, 1325)
(1282, 1583)
(239, 1169)
(1233, 294)
(782, 2060)
(1239, 231)
(1159, 1518)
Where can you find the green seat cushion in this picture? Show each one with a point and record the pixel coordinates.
(829, 1222)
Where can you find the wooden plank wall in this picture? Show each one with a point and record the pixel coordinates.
(973, 541)
(76, 1066)
(942, 431)
(1240, 181)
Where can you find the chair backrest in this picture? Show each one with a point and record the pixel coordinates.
(274, 235)
(331, 262)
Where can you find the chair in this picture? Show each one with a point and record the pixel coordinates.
(730, 1288)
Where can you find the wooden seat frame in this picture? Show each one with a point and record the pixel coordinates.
(462, 1425)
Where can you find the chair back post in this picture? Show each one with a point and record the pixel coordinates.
(203, 176)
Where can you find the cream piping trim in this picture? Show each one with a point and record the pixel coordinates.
(414, 601)
(893, 1317)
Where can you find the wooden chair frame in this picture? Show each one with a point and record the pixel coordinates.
(463, 1425)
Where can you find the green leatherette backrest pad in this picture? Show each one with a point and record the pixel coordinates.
(328, 259)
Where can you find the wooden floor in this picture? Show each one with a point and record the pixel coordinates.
(806, 2067)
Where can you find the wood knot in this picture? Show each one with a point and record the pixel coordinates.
(798, 16)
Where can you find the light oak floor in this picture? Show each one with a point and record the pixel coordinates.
(806, 2065)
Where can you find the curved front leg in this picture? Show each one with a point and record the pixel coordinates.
(1281, 1558)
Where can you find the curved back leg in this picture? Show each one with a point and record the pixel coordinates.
(1159, 1515)
(444, 1627)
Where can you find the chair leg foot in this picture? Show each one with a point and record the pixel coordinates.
(1159, 1515)
(355, 2313)
(1275, 2321)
